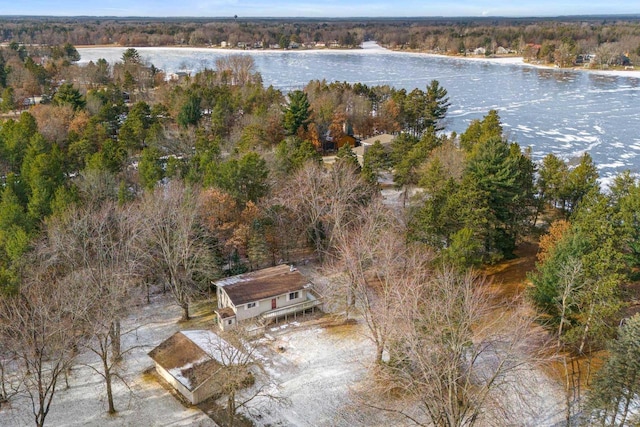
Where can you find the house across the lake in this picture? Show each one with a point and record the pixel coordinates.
(263, 295)
(385, 139)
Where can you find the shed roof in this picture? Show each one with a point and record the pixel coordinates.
(191, 357)
(263, 284)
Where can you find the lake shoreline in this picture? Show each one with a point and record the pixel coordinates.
(373, 47)
(519, 60)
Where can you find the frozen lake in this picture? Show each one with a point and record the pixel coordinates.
(549, 110)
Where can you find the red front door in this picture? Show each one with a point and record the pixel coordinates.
(273, 304)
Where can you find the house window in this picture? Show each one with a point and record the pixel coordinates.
(251, 305)
(294, 295)
(230, 321)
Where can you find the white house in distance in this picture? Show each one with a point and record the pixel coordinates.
(263, 295)
(190, 360)
(385, 139)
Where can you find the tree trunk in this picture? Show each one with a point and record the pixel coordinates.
(628, 399)
(41, 415)
(560, 327)
(185, 312)
(568, 392)
(614, 413)
(379, 351)
(585, 333)
(350, 301)
(42, 409)
(231, 409)
(107, 379)
(587, 380)
(4, 396)
(114, 335)
(318, 237)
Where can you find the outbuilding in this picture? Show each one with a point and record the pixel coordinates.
(189, 362)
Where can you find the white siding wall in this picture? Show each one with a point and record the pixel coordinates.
(225, 325)
(223, 300)
(243, 313)
(302, 296)
(175, 383)
(202, 392)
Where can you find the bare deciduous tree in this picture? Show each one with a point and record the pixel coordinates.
(454, 355)
(96, 248)
(324, 201)
(53, 121)
(240, 375)
(241, 69)
(376, 267)
(176, 241)
(40, 326)
(9, 382)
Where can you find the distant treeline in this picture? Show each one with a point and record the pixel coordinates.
(580, 34)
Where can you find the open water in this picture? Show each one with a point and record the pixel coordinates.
(549, 110)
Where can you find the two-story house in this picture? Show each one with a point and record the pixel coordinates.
(266, 294)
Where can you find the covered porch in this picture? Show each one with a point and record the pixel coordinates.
(291, 310)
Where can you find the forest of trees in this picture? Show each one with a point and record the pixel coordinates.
(122, 183)
(559, 40)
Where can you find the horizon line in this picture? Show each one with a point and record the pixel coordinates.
(235, 17)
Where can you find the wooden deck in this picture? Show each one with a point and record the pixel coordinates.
(290, 309)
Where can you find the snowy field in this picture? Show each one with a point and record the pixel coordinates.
(321, 367)
(146, 403)
(318, 363)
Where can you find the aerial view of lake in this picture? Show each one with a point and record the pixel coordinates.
(549, 110)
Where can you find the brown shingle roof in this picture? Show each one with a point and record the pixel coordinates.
(225, 312)
(185, 360)
(262, 284)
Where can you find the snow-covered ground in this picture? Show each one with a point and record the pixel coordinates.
(322, 367)
(146, 403)
(317, 363)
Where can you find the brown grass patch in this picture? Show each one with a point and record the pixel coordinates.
(581, 372)
(346, 329)
(202, 314)
(508, 279)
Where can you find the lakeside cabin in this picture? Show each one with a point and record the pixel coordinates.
(263, 295)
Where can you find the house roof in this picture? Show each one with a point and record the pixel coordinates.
(384, 139)
(225, 312)
(191, 357)
(262, 284)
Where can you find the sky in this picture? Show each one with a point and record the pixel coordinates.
(317, 8)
